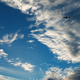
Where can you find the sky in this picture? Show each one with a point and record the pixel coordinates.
(36, 42)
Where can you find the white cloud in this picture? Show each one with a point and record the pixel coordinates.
(17, 62)
(27, 66)
(57, 43)
(2, 53)
(2, 77)
(9, 38)
(30, 41)
(64, 33)
(24, 6)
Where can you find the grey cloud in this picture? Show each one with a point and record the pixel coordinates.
(55, 73)
(74, 76)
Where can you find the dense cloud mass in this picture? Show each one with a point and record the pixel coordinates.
(61, 36)
(74, 76)
(55, 73)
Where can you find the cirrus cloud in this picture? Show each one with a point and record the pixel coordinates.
(10, 38)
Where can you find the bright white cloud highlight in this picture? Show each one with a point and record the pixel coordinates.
(3, 54)
(2, 77)
(30, 41)
(27, 66)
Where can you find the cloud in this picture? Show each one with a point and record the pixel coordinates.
(17, 62)
(26, 66)
(3, 54)
(74, 76)
(55, 73)
(2, 77)
(59, 43)
(24, 6)
(21, 36)
(9, 38)
(60, 35)
(30, 41)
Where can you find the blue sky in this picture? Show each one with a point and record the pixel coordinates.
(36, 42)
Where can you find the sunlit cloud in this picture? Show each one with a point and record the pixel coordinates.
(17, 62)
(10, 38)
(30, 41)
(26, 66)
(3, 54)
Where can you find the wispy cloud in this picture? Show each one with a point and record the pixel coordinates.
(30, 41)
(59, 43)
(21, 36)
(9, 38)
(3, 54)
(26, 66)
(2, 77)
(59, 35)
(17, 62)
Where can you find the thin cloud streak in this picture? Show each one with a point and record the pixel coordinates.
(2, 77)
(10, 38)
